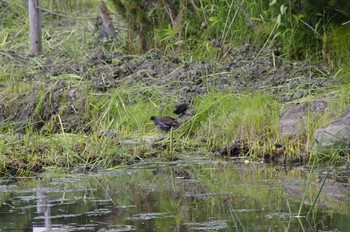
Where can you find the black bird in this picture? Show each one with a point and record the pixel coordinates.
(180, 109)
(165, 123)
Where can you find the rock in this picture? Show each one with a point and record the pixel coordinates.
(294, 117)
(72, 93)
(333, 193)
(336, 133)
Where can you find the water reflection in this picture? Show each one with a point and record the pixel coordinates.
(43, 207)
(198, 196)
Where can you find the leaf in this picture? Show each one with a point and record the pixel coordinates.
(283, 9)
(273, 2)
(179, 42)
(278, 21)
(213, 19)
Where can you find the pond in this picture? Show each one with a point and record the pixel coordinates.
(187, 195)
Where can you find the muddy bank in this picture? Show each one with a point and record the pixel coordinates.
(239, 71)
(53, 95)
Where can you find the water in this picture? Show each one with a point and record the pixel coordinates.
(184, 196)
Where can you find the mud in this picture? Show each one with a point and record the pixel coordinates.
(239, 71)
(56, 88)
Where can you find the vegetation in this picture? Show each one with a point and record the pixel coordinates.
(298, 29)
(69, 112)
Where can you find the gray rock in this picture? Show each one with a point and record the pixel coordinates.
(332, 195)
(336, 133)
(294, 117)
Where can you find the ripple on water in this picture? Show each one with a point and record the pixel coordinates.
(119, 229)
(147, 216)
(208, 226)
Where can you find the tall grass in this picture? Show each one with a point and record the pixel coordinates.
(115, 125)
(223, 118)
(102, 126)
(295, 30)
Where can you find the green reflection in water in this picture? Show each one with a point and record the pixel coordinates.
(214, 196)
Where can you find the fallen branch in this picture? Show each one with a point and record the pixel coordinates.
(246, 16)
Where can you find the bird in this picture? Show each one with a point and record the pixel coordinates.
(165, 122)
(181, 109)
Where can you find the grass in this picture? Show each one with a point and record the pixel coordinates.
(123, 114)
(105, 127)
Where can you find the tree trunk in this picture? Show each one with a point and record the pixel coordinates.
(35, 24)
(107, 25)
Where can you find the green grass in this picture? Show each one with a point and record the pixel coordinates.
(105, 127)
(119, 119)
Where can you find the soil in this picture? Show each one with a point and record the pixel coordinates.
(59, 84)
(238, 71)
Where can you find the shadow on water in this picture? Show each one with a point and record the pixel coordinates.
(183, 196)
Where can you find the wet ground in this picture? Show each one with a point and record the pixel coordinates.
(242, 70)
(187, 195)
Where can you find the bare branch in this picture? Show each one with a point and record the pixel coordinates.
(246, 16)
